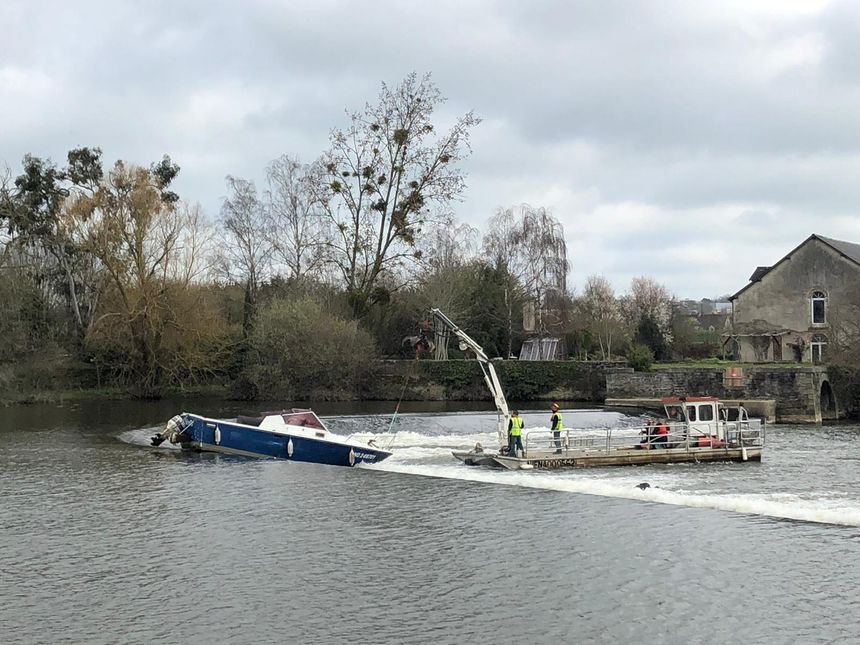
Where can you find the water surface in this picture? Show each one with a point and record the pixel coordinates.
(106, 540)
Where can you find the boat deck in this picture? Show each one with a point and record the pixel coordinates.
(621, 447)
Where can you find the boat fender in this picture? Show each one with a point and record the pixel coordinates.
(744, 455)
(290, 448)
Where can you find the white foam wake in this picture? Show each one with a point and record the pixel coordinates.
(143, 437)
(408, 439)
(824, 511)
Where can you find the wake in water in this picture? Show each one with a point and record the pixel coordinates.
(770, 489)
(143, 437)
(805, 475)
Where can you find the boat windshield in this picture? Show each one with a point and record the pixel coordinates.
(304, 418)
(674, 413)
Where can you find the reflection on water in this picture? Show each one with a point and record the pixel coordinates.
(105, 540)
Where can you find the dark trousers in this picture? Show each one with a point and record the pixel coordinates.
(556, 436)
(514, 443)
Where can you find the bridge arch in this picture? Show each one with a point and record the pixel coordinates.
(827, 401)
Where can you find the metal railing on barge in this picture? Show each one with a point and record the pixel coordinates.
(680, 436)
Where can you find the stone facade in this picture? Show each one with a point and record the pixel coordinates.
(790, 311)
(801, 395)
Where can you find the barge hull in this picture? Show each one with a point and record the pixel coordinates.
(617, 458)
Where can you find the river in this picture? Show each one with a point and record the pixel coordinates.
(107, 540)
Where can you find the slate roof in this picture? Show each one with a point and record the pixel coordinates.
(758, 273)
(848, 249)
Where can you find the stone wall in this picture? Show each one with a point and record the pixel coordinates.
(777, 309)
(798, 392)
(787, 395)
(461, 380)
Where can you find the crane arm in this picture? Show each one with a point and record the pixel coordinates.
(489, 372)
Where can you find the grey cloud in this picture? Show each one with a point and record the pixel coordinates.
(734, 126)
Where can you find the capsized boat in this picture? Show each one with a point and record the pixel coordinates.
(296, 435)
(694, 429)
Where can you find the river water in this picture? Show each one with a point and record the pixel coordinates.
(106, 540)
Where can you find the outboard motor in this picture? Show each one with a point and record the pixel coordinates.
(173, 431)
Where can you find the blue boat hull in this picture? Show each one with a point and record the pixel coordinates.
(209, 435)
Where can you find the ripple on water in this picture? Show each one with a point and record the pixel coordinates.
(106, 540)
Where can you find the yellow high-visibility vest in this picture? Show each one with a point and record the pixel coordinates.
(516, 426)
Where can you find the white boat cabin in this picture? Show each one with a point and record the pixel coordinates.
(705, 414)
(297, 420)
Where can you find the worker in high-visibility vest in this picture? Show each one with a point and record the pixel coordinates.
(515, 434)
(555, 424)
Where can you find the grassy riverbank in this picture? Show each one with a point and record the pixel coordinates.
(72, 395)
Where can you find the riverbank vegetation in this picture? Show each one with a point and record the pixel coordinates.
(110, 279)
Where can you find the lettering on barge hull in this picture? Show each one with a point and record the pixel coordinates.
(583, 462)
(550, 464)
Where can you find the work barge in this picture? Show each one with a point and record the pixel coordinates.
(704, 434)
(693, 429)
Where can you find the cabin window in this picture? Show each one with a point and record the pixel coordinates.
(706, 413)
(817, 347)
(819, 308)
(691, 412)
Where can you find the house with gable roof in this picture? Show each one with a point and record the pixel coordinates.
(790, 311)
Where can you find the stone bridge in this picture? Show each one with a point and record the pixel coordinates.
(782, 394)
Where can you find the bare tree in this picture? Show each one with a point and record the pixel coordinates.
(296, 221)
(500, 246)
(600, 312)
(8, 206)
(544, 259)
(648, 299)
(383, 177)
(448, 244)
(647, 311)
(248, 246)
(528, 244)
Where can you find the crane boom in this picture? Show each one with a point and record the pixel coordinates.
(490, 376)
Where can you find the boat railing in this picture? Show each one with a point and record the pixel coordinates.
(680, 436)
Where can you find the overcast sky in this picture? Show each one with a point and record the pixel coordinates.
(687, 141)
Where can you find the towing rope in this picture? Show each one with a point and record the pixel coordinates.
(400, 400)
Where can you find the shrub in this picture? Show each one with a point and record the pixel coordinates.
(640, 358)
(302, 351)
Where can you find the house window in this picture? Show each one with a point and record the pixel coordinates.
(817, 346)
(819, 308)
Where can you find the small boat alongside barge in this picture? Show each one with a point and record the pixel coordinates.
(295, 435)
